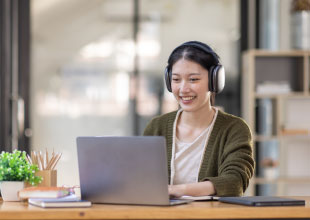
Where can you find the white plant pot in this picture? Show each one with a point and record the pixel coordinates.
(300, 30)
(9, 190)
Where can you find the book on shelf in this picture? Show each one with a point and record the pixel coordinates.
(43, 192)
(69, 201)
(264, 117)
(269, 87)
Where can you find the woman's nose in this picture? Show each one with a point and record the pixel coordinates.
(184, 86)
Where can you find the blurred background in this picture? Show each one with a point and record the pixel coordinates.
(93, 68)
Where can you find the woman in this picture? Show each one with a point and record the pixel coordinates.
(209, 151)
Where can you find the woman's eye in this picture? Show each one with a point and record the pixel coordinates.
(193, 79)
(175, 79)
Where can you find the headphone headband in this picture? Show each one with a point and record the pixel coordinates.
(198, 45)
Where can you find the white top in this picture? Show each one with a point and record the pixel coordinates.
(187, 157)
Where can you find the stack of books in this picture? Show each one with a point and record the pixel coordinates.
(52, 197)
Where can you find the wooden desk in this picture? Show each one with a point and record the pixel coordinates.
(195, 210)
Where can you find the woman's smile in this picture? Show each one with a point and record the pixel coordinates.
(187, 99)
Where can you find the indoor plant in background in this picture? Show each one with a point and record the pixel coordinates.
(15, 170)
(300, 24)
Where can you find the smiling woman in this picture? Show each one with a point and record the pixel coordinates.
(209, 151)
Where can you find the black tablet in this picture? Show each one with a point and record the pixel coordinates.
(263, 201)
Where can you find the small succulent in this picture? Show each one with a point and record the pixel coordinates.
(300, 5)
(15, 167)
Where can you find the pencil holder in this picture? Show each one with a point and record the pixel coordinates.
(49, 177)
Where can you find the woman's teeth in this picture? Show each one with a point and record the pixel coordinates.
(187, 98)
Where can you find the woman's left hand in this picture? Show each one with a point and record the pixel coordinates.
(176, 190)
(192, 189)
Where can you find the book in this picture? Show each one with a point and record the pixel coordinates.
(264, 116)
(64, 202)
(43, 192)
(269, 87)
(68, 198)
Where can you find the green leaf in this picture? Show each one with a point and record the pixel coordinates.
(15, 167)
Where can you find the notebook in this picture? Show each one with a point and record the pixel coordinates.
(63, 202)
(124, 170)
(262, 201)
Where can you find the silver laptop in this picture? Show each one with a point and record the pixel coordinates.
(124, 170)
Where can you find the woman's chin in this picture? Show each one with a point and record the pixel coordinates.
(187, 108)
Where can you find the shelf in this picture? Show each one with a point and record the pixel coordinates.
(282, 115)
(287, 180)
(265, 138)
(268, 53)
(261, 138)
(295, 136)
(283, 95)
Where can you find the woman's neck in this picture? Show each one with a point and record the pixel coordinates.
(201, 118)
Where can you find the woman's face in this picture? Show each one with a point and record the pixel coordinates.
(190, 85)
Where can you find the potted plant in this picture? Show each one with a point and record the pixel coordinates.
(300, 24)
(15, 170)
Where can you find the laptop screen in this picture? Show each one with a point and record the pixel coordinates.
(123, 170)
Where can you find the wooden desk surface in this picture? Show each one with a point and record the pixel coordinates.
(195, 210)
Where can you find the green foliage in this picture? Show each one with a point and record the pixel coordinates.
(15, 167)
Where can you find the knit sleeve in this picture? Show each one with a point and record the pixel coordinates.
(160, 125)
(148, 131)
(153, 128)
(236, 163)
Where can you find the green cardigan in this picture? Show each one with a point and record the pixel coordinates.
(228, 159)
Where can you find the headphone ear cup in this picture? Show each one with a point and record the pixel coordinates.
(216, 78)
(168, 79)
(211, 79)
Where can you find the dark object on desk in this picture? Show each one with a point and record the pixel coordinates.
(124, 170)
(262, 201)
